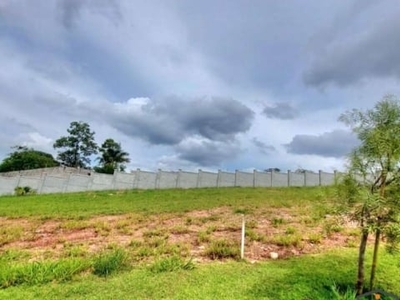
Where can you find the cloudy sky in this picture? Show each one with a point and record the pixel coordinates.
(185, 84)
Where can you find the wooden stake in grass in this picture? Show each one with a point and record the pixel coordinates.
(243, 235)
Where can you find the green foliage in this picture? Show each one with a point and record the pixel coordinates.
(371, 186)
(277, 221)
(287, 240)
(170, 264)
(219, 249)
(254, 236)
(348, 294)
(108, 262)
(112, 157)
(77, 147)
(24, 190)
(24, 158)
(40, 272)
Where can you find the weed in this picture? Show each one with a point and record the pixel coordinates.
(155, 233)
(277, 221)
(211, 218)
(40, 272)
(203, 237)
(171, 264)
(102, 228)
(251, 224)
(232, 227)
(290, 230)
(242, 210)
(179, 229)
(331, 226)
(348, 294)
(287, 240)
(144, 251)
(211, 229)
(254, 236)
(9, 234)
(307, 221)
(123, 226)
(156, 242)
(219, 249)
(315, 238)
(13, 255)
(73, 225)
(350, 243)
(108, 262)
(71, 250)
(135, 244)
(353, 232)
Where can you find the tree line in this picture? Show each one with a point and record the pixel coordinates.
(74, 150)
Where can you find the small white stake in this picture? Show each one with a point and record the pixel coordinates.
(243, 235)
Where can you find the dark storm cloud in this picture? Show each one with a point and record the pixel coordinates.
(208, 153)
(337, 143)
(354, 55)
(71, 10)
(171, 120)
(255, 44)
(283, 111)
(262, 147)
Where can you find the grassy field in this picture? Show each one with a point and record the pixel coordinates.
(180, 244)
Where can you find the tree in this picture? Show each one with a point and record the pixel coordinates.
(24, 158)
(273, 170)
(76, 148)
(112, 157)
(372, 183)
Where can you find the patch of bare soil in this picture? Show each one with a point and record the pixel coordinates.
(281, 231)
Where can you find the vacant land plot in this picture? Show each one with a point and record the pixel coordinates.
(141, 241)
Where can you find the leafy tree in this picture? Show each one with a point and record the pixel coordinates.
(372, 185)
(273, 170)
(112, 157)
(24, 158)
(76, 148)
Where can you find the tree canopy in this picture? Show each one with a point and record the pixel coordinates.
(24, 158)
(78, 146)
(371, 186)
(112, 157)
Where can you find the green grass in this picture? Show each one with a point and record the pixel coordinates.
(88, 204)
(153, 268)
(306, 277)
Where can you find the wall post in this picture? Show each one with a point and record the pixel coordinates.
(198, 183)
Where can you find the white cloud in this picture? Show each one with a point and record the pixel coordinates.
(186, 86)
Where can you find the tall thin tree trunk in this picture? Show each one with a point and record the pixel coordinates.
(361, 259)
(375, 259)
(377, 234)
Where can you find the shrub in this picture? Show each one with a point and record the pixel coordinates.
(24, 190)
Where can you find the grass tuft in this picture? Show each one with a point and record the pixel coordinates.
(219, 249)
(108, 262)
(170, 264)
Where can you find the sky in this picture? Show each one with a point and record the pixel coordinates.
(185, 84)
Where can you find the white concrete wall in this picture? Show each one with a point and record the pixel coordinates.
(63, 180)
